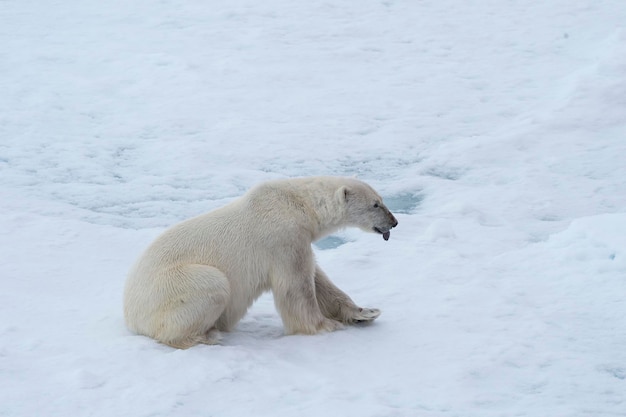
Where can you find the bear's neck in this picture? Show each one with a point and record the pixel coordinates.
(327, 224)
(330, 217)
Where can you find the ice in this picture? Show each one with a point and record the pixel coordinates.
(495, 131)
(330, 242)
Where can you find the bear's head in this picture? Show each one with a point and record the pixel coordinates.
(364, 209)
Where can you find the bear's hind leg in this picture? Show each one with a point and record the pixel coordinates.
(337, 305)
(198, 296)
(212, 337)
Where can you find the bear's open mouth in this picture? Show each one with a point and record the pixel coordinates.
(385, 233)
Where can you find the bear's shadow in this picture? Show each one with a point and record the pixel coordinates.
(264, 327)
(255, 326)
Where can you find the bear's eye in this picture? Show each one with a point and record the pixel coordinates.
(376, 205)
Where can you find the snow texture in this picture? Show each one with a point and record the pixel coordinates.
(495, 130)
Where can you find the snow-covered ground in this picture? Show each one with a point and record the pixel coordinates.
(496, 130)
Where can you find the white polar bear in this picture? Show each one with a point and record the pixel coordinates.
(201, 276)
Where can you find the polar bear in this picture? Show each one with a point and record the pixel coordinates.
(200, 276)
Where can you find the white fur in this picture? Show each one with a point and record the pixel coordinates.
(202, 275)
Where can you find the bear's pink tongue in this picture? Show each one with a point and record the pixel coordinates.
(386, 235)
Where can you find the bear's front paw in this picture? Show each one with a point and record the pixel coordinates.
(365, 315)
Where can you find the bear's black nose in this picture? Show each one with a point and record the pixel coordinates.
(395, 222)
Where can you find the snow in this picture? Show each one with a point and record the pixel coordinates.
(495, 130)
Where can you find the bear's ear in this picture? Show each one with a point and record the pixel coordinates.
(342, 193)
